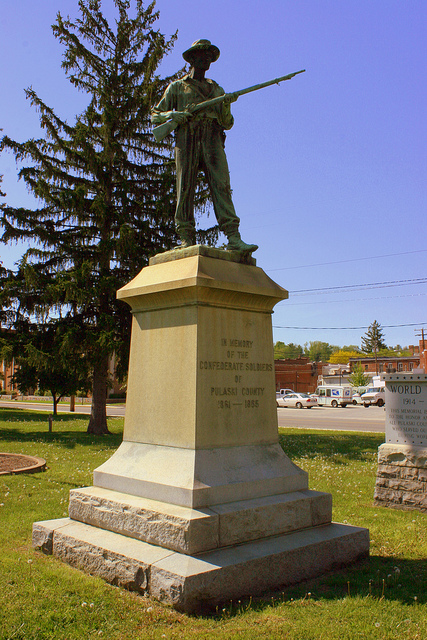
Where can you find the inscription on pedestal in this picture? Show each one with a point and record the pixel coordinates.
(406, 409)
(239, 389)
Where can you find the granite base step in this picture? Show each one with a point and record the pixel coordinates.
(202, 581)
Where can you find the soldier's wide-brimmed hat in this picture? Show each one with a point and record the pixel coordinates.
(201, 45)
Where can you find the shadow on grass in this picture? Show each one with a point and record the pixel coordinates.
(68, 430)
(376, 578)
(348, 446)
(390, 578)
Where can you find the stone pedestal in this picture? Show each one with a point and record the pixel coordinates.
(402, 460)
(200, 504)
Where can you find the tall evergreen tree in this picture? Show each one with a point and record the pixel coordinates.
(372, 341)
(105, 187)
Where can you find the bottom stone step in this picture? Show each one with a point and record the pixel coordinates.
(198, 582)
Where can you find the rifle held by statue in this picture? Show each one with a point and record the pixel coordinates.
(162, 130)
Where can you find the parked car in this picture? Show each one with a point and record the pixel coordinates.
(298, 400)
(373, 395)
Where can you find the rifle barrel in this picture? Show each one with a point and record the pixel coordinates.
(241, 92)
(255, 87)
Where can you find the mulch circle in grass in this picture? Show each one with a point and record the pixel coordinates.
(18, 463)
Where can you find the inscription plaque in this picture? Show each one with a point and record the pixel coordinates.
(406, 409)
(238, 388)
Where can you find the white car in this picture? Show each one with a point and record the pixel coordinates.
(280, 394)
(373, 395)
(298, 400)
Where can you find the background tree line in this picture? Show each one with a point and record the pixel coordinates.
(372, 344)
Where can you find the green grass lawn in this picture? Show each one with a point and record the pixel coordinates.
(40, 597)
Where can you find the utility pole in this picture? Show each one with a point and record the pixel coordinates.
(421, 334)
(422, 349)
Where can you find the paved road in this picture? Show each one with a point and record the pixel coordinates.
(352, 418)
(112, 410)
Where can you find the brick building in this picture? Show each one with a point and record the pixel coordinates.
(299, 374)
(6, 372)
(389, 364)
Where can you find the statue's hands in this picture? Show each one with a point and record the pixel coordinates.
(180, 116)
(230, 97)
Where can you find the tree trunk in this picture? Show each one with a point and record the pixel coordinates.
(55, 404)
(98, 415)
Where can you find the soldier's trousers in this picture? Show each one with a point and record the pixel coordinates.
(200, 145)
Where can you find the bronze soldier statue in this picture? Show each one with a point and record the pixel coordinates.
(199, 144)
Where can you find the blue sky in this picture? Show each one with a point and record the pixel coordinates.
(329, 170)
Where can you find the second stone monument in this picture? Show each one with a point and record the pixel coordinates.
(402, 460)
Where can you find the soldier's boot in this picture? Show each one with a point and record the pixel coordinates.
(188, 238)
(235, 243)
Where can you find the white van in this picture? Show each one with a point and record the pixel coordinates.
(334, 395)
(373, 395)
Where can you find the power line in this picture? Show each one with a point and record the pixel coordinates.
(360, 287)
(322, 264)
(408, 295)
(385, 326)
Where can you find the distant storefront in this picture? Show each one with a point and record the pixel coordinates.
(393, 364)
